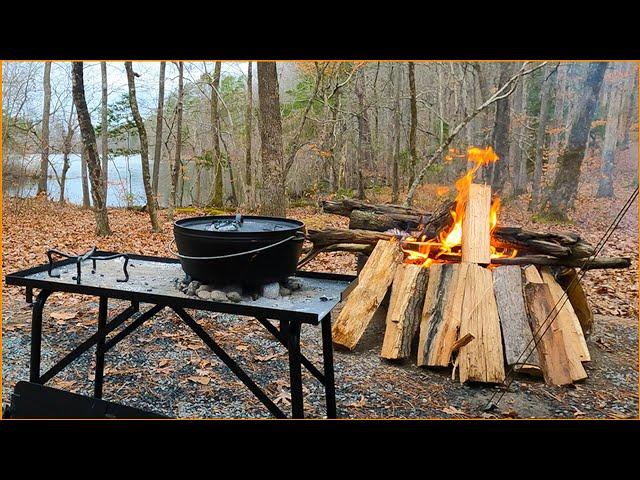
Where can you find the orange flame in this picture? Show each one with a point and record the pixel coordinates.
(429, 252)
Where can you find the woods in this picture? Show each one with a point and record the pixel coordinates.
(211, 134)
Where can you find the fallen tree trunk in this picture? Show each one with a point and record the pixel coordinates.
(347, 205)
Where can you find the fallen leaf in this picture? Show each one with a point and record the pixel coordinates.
(63, 315)
(200, 380)
(266, 358)
(359, 404)
(453, 411)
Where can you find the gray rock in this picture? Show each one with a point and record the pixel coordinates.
(191, 290)
(218, 296)
(271, 290)
(293, 283)
(206, 288)
(194, 284)
(203, 294)
(284, 291)
(234, 297)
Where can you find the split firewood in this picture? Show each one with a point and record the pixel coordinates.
(405, 308)
(476, 236)
(519, 348)
(567, 277)
(558, 368)
(566, 319)
(363, 302)
(531, 274)
(441, 314)
(461, 342)
(483, 359)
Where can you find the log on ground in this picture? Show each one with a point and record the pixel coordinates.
(519, 348)
(482, 360)
(364, 300)
(567, 319)
(405, 308)
(440, 320)
(554, 361)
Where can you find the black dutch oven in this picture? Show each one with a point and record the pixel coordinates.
(249, 250)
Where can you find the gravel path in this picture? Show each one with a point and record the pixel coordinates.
(165, 368)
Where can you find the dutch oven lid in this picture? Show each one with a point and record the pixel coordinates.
(239, 224)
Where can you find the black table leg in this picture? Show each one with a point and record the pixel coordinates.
(102, 323)
(295, 370)
(36, 335)
(327, 360)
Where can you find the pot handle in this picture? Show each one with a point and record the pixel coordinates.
(255, 250)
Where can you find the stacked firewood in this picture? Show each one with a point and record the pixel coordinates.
(479, 320)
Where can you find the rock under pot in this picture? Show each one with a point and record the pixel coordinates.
(249, 250)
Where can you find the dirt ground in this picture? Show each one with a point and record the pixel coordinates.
(164, 368)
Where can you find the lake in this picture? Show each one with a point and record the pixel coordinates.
(125, 181)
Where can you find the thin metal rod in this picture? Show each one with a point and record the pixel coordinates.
(88, 343)
(229, 362)
(125, 332)
(281, 336)
(36, 336)
(102, 323)
(327, 360)
(295, 370)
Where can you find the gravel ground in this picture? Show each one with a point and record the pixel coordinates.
(164, 368)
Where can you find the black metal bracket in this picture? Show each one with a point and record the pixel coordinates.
(90, 255)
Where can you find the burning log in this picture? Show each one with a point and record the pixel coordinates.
(441, 314)
(482, 360)
(591, 263)
(519, 348)
(476, 236)
(373, 283)
(405, 307)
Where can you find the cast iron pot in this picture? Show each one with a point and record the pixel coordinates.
(249, 250)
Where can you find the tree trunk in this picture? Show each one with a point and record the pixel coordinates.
(545, 102)
(561, 195)
(414, 123)
(273, 192)
(177, 162)
(157, 154)
(605, 188)
(247, 135)
(66, 151)
(500, 139)
(216, 199)
(364, 134)
(46, 111)
(144, 147)
(104, 133)
(86, 202)
(520, 175)
(91, 148)
(395, 186)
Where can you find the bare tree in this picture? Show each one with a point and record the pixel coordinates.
(91, 149)
(545, 102)
(414, 122)
(500, 138)
(247, 135)
(104, 133)
(395, 181)
(560, 197)
(144, 147)
(157, 153)
(216, 197)
(177, 162)
(273, 191)
(605, 187)
(46, 111)
(67, 147)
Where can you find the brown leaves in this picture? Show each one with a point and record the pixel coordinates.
(200, 380)
(63, 315)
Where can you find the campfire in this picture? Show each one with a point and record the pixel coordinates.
(475, 295)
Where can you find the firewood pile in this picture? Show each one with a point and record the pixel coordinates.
(492, 300)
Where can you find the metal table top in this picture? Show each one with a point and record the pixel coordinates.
(151, 280)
